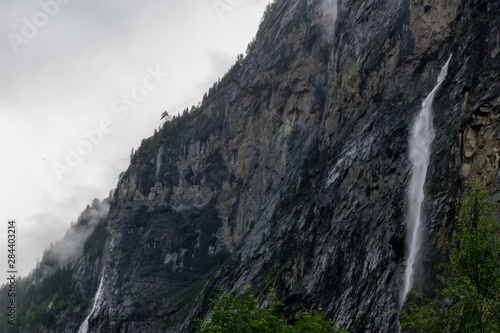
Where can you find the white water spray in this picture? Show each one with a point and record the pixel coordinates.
(84, 327)
(421, 137)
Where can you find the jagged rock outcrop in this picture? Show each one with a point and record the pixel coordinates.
(293, 175)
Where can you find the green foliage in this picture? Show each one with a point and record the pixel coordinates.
(463, 26)
(226, 79)
(94, 244)
(38, 304)
(402, 125)
(242, 314)
(174, 126)
(177, 123)
(359, 4)
(50, 289)
(271, 10)
(426, 315)
(473, 287)
(169, 128)
(229, 76)
(251, 45)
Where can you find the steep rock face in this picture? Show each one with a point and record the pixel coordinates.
(294, 174)
(466, 145)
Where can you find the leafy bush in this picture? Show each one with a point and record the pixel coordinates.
(473, 289)
(242, 314)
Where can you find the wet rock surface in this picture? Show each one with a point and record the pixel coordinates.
(294, 175)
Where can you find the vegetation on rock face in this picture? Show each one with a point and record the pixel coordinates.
(178, 122)
(227, 78)
(94, 244)
(242, 314)
(471, 293)
(272, 9)
(50, 290)
(169, 128)
(38, 304)
(270, 12)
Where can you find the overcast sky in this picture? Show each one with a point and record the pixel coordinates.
(83, 81)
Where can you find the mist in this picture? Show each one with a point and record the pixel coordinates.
(70, 247)
(329, 19)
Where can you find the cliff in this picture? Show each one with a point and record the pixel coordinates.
(292, 174)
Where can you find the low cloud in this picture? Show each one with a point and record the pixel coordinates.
(70, 247)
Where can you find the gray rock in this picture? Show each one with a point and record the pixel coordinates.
(294, 174)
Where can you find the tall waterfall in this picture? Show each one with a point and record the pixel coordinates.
(421, 137)
(84, 327)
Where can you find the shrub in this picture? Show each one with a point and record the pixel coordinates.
(473, 288)
(243, 315)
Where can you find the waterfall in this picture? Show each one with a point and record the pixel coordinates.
(158, 161)
(84, 327)
(421, 137)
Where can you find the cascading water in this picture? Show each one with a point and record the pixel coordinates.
(84, 327)
(421, 137)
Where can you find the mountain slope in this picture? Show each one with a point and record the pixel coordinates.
(292, 174)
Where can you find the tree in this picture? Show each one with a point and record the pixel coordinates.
(472, 290)
(243, 315)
